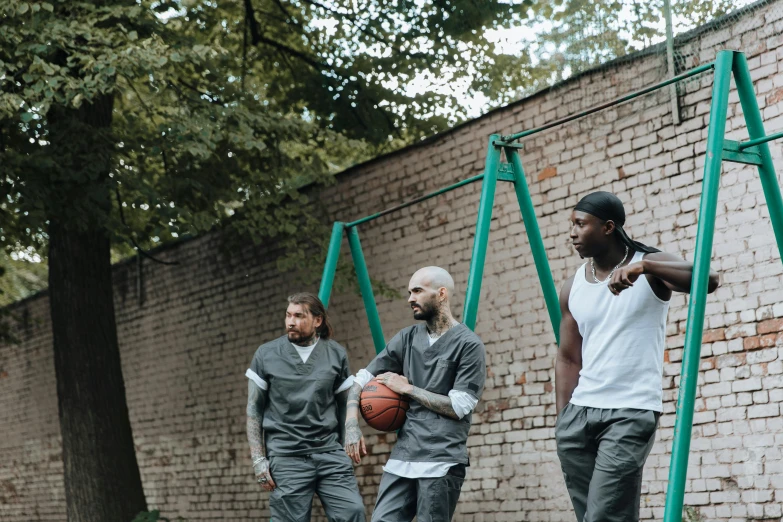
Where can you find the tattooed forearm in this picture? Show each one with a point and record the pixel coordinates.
(352, 402)
(354, 441)
(353, 432)
(440, 404)
(255, 417)
(341, 400)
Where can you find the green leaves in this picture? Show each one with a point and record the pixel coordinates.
(159, 126)
(20, 277)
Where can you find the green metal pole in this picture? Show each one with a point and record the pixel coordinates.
(366, 288)
(697, 70)
(701, 271)
(769, 179)
(480, 240)
(536, 242)
(330, 265)
(414, 201)
(762, 139)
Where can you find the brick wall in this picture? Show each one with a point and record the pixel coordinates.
(186, 345)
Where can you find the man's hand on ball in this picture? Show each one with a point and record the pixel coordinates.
(396, 383)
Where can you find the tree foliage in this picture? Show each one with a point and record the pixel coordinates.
(220, 109)
(19, 278)
(223, 111)
(577, 35)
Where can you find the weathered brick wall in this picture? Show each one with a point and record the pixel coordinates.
(186, 345)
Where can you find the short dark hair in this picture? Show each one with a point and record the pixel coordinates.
(315, 307)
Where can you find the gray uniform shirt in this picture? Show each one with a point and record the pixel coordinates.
(300, 417)
(456, 361)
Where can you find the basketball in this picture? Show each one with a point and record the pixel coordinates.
(382, 408)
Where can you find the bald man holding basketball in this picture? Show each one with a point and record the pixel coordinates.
(440, 366)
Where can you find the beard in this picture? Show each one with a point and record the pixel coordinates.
(424, 312)
(297, 337)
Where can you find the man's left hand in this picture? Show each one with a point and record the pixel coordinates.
(624, 277)
(396, 383)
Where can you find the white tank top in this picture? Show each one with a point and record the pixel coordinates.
(622, 343)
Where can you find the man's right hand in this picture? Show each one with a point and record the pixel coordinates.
(354, 440)
(263, 476)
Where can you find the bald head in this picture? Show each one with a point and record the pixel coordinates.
(433, 277)
(430, 289)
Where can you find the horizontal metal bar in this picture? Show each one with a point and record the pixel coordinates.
(732, 151)
(414, 201)
(759, 141)
(693, 72)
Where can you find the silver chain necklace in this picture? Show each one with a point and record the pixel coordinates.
(592, 266)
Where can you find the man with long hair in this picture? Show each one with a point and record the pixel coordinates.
(298, 386)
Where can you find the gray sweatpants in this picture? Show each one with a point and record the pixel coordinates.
(328, 474)
(602, 453)
(428, 499)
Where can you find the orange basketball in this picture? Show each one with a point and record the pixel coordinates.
(382, 408)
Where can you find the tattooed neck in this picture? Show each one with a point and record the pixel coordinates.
(440, 323)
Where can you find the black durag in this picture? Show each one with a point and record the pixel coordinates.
(607, 206)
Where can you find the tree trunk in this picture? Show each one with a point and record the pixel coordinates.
(102, 480)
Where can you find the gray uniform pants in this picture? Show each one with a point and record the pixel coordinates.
(602, 453)
(428, 499)
(328, 474)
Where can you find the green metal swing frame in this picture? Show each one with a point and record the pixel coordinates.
(753, 152)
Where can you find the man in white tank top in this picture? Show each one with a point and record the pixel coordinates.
(610, 361)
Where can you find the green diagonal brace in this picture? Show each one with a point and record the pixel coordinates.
(705, 232)
(481, 238)
(536, 241)
(330, 266)
(769, 179)
(365, 285)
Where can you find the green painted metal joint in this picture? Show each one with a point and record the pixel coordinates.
(732, 151)
(506, 172)
(508, 144)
